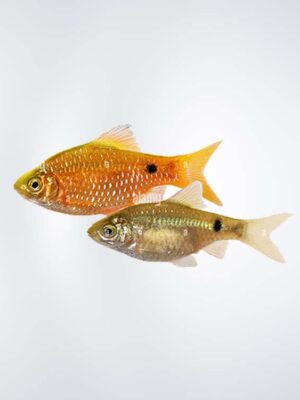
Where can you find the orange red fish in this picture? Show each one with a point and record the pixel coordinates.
(108, 174)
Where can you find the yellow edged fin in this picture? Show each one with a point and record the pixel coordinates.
(121, 137)
(194, 165)
(217, 249)
(190, 196)
(257, 235)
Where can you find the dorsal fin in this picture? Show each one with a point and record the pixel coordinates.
(217, 249)
(121, 137)
(190, 196)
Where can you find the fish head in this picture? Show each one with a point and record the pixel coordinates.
(38, 186)
(114, 231)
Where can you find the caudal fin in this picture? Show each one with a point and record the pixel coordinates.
(257, 235)
(193, 167)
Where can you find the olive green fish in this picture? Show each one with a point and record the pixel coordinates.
(174, 229)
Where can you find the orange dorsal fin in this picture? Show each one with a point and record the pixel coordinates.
(121, 137)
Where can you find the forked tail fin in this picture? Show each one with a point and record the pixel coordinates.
(193, 167)
(257, 235)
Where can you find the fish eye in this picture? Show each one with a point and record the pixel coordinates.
(108, 231)
(34, 184)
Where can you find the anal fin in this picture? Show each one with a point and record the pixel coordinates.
(217, 249)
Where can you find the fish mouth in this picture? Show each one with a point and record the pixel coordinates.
(20, 187)
(21, 183)
(92, 232)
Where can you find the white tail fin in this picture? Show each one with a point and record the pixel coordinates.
(257, 235)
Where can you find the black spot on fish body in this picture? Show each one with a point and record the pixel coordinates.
(217, 225)
(151, 168)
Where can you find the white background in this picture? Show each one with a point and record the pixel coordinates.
(79, 321)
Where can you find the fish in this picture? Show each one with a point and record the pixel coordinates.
(174, 229)
(110, 173)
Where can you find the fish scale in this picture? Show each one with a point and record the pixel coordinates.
(108, 174)
(174, 229)
(167, 230)
(114, 189)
